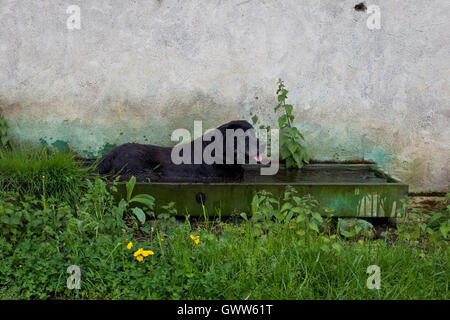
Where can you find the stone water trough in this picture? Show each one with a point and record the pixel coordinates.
(352, 190)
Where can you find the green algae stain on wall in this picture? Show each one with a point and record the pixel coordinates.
(106, 149)
(379, 156)
(341, 144)
(58, 145)
(103, 150)
(61, 146)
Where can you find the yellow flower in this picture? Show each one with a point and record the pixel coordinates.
(361, 242)
(195, 238)
(139, 258)
(161, 239)
(146, 253)
(138, 252)
(129, 245)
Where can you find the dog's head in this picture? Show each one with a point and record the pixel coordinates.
(240, 144)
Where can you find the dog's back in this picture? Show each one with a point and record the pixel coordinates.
(140, 160)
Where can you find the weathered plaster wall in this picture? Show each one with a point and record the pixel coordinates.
(139, 69)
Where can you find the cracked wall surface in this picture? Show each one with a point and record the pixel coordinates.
(136, 70)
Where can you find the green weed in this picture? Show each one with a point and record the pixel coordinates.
(292, 149)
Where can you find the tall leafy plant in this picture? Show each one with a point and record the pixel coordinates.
(292, 149)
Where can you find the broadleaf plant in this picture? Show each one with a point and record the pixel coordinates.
(144, 199)
(292, 149)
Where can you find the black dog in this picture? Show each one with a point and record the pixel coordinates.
(154, 162)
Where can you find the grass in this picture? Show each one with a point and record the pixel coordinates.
(233, 266)
(32, 171)
(280, 265)
(284, 251)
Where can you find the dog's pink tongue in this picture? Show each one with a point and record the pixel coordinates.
(258, 158)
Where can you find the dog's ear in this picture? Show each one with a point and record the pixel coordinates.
(236, 124)
(240, 124)
(223, 128)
